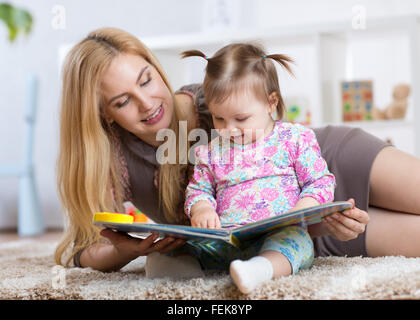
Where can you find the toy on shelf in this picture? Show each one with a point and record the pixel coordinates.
(297, 110)
(398, 107)
(357, 99)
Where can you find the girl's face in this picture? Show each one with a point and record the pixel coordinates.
(243, 117)
(136, 97)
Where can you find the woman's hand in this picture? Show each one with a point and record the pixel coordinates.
(131, 248)
(347, 225)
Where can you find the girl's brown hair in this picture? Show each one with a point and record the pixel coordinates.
(241, 66)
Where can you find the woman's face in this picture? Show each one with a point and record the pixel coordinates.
(136, 97)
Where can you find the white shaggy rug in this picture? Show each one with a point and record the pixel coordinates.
(28, 271)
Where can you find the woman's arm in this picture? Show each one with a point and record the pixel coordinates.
(123, 249)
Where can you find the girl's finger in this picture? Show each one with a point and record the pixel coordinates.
(211, 224)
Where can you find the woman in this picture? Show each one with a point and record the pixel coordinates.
(116, 98)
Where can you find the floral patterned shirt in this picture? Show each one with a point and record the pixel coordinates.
(246, 183)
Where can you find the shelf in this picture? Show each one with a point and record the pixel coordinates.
(191, 40)
(376, 124)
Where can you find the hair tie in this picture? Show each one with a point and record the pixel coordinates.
(205, 57)
(264, 57)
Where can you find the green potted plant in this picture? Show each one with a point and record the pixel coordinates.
(17, 20)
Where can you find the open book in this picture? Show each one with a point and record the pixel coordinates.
(234, 235)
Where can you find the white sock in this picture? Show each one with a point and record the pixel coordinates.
(179, 267)
(247, 275)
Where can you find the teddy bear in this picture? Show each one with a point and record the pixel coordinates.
(398, 107)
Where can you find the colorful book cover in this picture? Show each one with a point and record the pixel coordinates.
(235, 236)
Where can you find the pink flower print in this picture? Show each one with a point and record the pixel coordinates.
(260, 214)
(269, 194)
(227, 168)
(246, 185)
(265, 171)
(285, 134)
(307, 138)
(270, 151)
(223, 205)
(290, 147)
(245, 201)
(319, 165)
(316, 149)
(292, 197)
(247, 162)
(224, 201)
(302, 173)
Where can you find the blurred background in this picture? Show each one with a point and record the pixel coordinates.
(356, 64)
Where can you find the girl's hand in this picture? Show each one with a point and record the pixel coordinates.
(347, 225)
(132, 248)
(207, 218)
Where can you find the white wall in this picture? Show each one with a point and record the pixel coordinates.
(272, 13)
(39, 53)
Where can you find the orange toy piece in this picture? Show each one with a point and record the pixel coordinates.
(141, 218)
(137, 215)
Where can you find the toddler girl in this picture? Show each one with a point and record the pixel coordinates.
(256, 168)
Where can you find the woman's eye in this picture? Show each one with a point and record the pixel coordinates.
(145, 82)
(219, 119)
(122, 104)
(241, 120)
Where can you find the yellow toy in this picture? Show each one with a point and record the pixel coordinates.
(133, 215)
(113, 217)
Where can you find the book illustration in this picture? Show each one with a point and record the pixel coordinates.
(234, 236)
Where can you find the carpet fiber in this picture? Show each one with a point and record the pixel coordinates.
(28, 271)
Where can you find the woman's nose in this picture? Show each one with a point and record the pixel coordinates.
(145, 102)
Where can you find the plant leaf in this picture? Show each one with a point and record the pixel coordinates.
(17, 20)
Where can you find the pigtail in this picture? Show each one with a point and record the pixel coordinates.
(193, 53)
(282, 59)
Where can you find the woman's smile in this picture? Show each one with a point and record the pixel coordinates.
(155, 117)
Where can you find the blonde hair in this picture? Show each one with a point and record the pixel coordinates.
(88, 172)
(241, 66)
